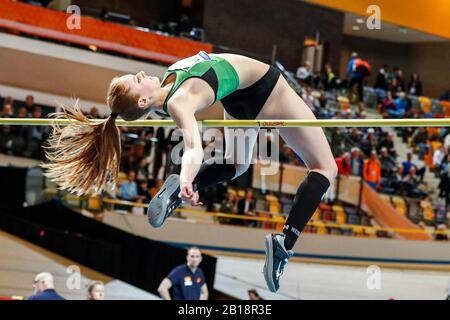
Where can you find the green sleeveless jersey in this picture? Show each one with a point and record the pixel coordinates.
(216, 71)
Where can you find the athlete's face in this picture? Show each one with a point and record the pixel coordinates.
(194, 258)
(141, 84)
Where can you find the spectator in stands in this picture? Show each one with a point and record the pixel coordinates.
(395, 180)
(388, 163)
(29, 104)
(36, 136)
(444, 184)
(408, 164)
(44, 288)
(420, 141)
(143, 190)
(328, 78)
(304, 73)
(60, 5)
(246, 207)
(96, 290)
(19, 135)
(142, 170)
(372, 171)
(382, 79)
(253, 295)
(187, 281)
(94, 114)
(354, 77)
(411, 183)
(400, 80)
(401, 107)
(6, 131)
(128, 188)
(344, 164)
(356, 162)
(8, 100)
(369, 142)
(438, 157)
(387, 104)
(228, 206)
(415, 85)
(388, 143)
(445, 96)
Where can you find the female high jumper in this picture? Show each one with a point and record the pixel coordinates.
(85, 155)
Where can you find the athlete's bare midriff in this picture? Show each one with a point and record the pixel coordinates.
(249, 70)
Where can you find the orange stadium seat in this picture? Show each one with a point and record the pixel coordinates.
(51, 24)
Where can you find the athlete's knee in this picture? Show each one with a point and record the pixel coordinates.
(330, 171)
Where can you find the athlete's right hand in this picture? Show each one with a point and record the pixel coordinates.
(189, 196)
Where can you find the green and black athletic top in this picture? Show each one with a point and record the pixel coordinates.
(222, 77)
(216, 71)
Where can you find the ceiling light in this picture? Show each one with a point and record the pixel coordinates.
(359, 20)
(356, 28)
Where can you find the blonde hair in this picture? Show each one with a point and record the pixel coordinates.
(85, 155)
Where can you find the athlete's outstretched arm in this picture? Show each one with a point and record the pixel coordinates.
(184, 116)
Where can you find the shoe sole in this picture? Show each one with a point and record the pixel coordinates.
(161, 206)
(268, 265)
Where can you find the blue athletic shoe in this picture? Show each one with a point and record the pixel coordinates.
(276, 258)
(165, 201)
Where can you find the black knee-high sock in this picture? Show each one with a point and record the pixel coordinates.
(306, 201)
(212, 173)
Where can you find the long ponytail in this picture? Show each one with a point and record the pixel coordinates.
(85, 155)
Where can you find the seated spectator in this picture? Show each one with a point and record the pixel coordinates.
(408, 164)
(372, 171)
(44, 288)
(304, 73)
(393, 184)
(420, 139)
(411, 183)
(388, 143)
(387, 104)
(246, 207)
(228, 206)
(401, 106)
(415, 85)
(344, 164)
(356, 162)
(388, 163)
(96, 290)
(128, 189)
